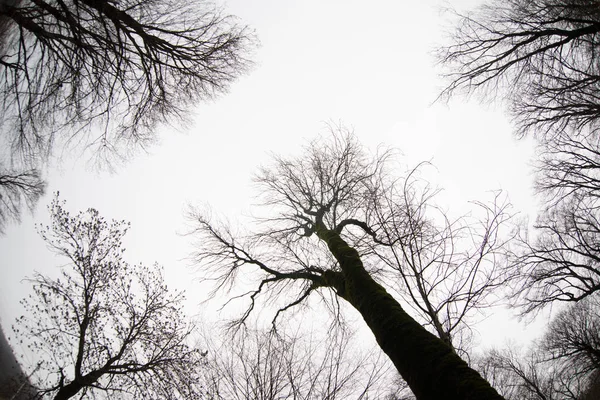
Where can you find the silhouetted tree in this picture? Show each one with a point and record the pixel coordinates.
(573, 338)
(568, 169)
(543, 54)
(542, 57)
(516, 377)
(18, 188)
(103, 73)
(266, 366)
(560, 257)
(563, 364)
(559, 260)
(317, 238)
(100, 74)
(104, 325)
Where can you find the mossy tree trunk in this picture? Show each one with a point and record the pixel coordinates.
(429, 366)
(336, 192)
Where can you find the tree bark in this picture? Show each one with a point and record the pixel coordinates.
(430, 367)
(71, 389)
(68, 391)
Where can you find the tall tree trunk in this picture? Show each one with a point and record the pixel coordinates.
(430, 367)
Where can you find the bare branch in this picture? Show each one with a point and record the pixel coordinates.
(103, 74)
(326, 213)
(541, 54)
(18, 189)
(104, 325)
(260, 365)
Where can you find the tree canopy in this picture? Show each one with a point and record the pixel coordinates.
(317, 238)
(541, 57)
(541, 54)
(105, 325)
(100, 76)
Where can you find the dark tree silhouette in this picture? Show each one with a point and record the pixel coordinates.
(527, 377)
(573, 338)
(104, 325)
(102, 74)
(558, 260)
(568, 169)
(18, 188)
(263, 366)
(320, 226)
(542, 53)
(564, 364)
(99, 75)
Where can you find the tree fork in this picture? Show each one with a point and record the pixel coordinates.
(429, 366)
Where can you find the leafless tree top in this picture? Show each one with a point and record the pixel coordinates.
(262, 365)
(325, 218)
(443, 268)
(331, 184)
(105, 327)
(541, 53)
(573, 337)
(16, 188)
(103, 73)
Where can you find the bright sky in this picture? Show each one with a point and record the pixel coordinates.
(367, 66)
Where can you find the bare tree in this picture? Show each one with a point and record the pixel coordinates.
(568, 169)
(448, 269)
(105, 326)
(518, 377)
(543, 52)
(573, 338)
(18, 188)
(102, 74)
(99, 75)
(564, 364)
(320, 226)
(560, 258)
(559, 261)
(266, 366)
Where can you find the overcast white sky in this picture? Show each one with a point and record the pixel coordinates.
(365, 64)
